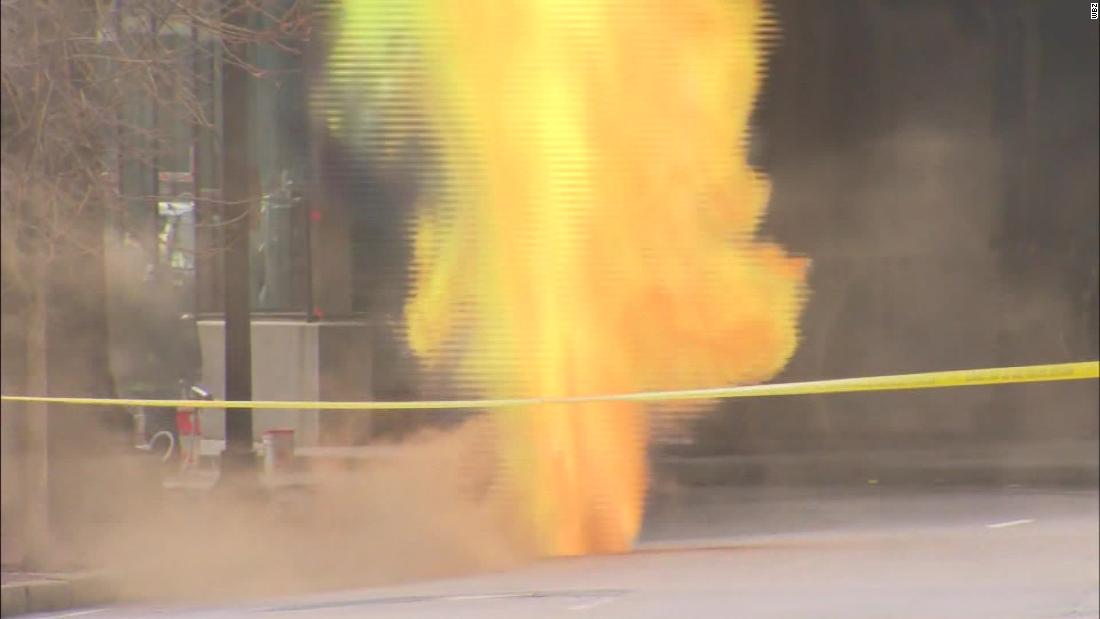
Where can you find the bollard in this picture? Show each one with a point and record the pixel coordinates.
(190, 436)
(278, 451)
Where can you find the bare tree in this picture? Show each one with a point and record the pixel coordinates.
(92, 90)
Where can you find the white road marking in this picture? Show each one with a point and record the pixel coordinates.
(79, 613)
(487, 596)
(594, 603)
(1010, 523)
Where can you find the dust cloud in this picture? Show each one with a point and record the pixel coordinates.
(424, 509)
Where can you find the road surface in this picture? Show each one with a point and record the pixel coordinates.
(721, 552)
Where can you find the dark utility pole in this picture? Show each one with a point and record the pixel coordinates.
(237, 170)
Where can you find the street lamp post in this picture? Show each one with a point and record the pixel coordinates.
(238, 460)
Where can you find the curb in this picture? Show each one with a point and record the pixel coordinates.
(49, 594)
(750, 471)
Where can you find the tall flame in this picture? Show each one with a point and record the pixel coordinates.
(590, 224)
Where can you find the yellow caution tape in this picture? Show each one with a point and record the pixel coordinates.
(925, 380)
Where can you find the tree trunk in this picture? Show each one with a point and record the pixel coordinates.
(84, 443)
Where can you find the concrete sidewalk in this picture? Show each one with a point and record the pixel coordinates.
(28, 592)
(1056, 463)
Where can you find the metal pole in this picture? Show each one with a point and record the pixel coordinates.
(38, 550)
(238, 459)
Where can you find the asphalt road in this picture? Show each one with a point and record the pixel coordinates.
(719, 552)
